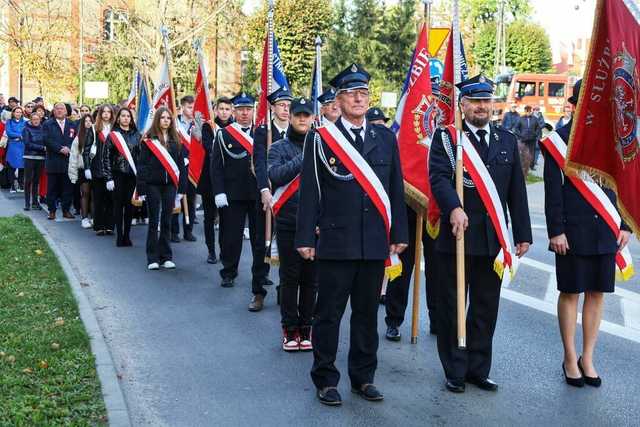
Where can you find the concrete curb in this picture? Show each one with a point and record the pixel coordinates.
(117, 410)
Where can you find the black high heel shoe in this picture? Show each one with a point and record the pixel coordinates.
(592, 381)
(575, 382)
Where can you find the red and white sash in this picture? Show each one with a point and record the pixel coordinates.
(165, 158)
(506, 259)
(243, 138)
(123, 149)
(368, 180)
(103, 135)
(597, 198)
(183, 135)
(283, 194)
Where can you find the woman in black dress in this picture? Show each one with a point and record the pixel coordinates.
(585, 249)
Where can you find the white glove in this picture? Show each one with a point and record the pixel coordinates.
(186, 161)
(221, 200)
(142, 198)
(87, 174)
(110, 185)
(1, 167)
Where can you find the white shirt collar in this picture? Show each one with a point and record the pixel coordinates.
(348, 125)
(475, 130)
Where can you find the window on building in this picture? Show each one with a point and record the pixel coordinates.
(556, 89)
(113, 24)
(526, 89)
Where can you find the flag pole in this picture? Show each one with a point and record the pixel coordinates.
(415, 309)
(318, 79)
(461, 305)
(267, 225)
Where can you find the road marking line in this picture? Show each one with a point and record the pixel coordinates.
(631, 313)
(540, 305)
(539, 265)
(538, 226)
(551, 295)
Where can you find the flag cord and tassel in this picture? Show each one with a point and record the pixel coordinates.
(267, 217)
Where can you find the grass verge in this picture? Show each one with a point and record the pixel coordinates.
(47, 370)
(532, 179)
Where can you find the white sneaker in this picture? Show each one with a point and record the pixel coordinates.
(153, 266)
(246, 234)
(134, 221)
(86, 223)
(168, 265)
(13, 190)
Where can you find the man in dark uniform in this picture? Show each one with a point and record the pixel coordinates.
(329, 108)
(235, 189)
(205, 189)
(376, 116)
(498, 149)
(352, 242)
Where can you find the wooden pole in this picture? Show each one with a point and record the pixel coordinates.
(415, 312)
(461, 305)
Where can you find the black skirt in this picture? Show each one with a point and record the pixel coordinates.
(576, 273)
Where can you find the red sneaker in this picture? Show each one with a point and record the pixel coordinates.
(305, 339)
(290, 340)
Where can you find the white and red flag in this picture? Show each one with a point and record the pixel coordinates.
(202, 114)
(133, 92)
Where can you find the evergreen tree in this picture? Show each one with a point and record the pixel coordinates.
(340, 43)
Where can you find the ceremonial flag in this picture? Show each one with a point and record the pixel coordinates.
(605, 134)
(278, 78)
(445, 99)
(144, 111)
(163, 91)
(202, 114)
(135, 83)
(416, 124)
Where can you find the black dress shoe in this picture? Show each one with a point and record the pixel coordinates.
(393, 334)
(329, 396)
(483, 383)
(368, 392)
(575, 382)
(212, 259)
(175, 238)
(268, 282)
(455, 386)
(26, 208)
(190, 237)
(227, 282)
(592, 381)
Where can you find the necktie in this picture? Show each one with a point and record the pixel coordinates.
(61, 126)
(482, 146)
(281, 134)
(245, 130)
(358, 141)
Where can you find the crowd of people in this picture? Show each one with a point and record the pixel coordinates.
(333, 184)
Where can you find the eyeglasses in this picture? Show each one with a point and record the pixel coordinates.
(351, 93)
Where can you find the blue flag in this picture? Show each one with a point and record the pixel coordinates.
(144, 106)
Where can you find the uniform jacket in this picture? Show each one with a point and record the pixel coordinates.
(503, 163)
(284, 163)
(350, 226)
(55, 139)
(113, 161)
(260, 153)
(151, 171)
(232, 176)
(567, 212)
(208, 142)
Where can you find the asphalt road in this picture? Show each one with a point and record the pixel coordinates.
(190, 354)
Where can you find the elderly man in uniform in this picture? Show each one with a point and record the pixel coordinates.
(328, 106)
(498, 149)
(350, 182)
(235, 189)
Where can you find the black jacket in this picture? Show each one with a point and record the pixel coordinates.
(151, 171)
(260, 153)
(351, 228)
(33, 137)
(232, 176)
(96, 161)
(503, 163)
(55, 139)
(567, 212)
(284, 163)
(113, 161)
(528, 128)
